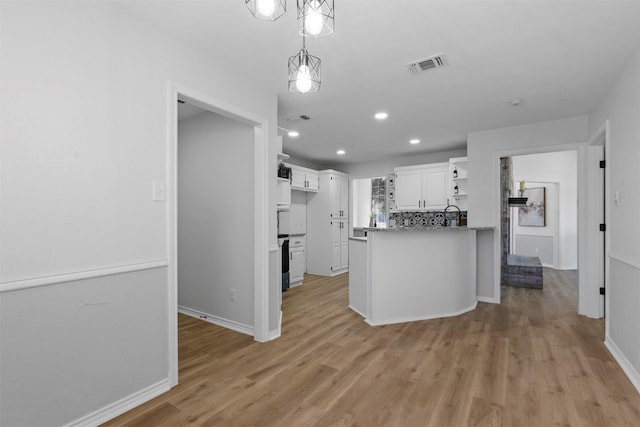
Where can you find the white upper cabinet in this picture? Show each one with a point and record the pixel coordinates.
(423, 187)
(303, 179)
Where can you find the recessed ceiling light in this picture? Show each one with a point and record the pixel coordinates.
(293, 133)
(381, 115)
(516, 102)
(414, 141)
(341, 152)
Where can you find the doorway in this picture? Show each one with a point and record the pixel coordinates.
(589, 212)
(255, 128)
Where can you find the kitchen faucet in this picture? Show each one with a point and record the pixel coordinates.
(446, 222)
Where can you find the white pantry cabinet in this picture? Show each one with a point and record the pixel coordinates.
(328, 225)
(422, 188)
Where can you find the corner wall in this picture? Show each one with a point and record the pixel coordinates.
(84, 136)
(621, 106)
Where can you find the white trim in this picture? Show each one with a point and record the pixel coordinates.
(488, 300)
(79, 275)
(275, 334)
(357, 311)
(216, 320)
(497, 261)
(625, 259)
(429, 317)
(627, 367)
(112, 410)
(261, 217)
(273, 248)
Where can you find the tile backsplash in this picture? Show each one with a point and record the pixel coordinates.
(425, 219)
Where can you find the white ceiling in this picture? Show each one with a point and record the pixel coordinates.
(558, 56)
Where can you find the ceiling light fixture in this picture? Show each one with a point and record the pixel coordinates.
(315, 18)
(516, 102)
(293, 133)
(304, 71)
(341, 152)
(381, 115)
(269, 10)
(414, 141)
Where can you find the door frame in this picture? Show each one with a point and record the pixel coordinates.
(590, 301)
(260, 196)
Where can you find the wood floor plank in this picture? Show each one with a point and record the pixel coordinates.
(529, 361)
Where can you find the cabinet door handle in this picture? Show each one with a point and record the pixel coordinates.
(291, 256)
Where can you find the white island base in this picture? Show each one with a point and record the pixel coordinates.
(412, 275)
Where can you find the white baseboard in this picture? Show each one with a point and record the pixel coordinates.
(357, 311)
(488, 300)
(627, 367)
(416, 319)
(111, 411)
(225, 323)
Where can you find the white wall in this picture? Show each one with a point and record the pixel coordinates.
(484, 151)
(621, 106)
(215, 218)
(486, 147)
(386, 166)
(562, 168)
(84, 135)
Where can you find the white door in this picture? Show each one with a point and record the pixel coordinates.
(434, 189)
(297, 178)
(409, 190)
(336, 240)
(344, 197)
(296, 268)
(334, 196)
(344, 245)
(312, 181)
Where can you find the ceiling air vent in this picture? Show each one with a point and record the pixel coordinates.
(427, 64)
(294, 118)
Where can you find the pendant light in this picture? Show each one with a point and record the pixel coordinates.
(315, 18)
(269, 10)
(304, 72)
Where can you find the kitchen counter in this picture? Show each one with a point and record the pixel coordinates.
(423, 229)
(410, 274)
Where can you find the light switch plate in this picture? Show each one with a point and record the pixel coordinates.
(159, 192)
(616, 198)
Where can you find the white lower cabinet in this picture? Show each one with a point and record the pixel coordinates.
(296, 266)
(297, 262)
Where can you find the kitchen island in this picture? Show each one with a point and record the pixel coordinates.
(408, 274)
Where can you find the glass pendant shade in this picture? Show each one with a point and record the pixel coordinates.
(315, 18)
(304, 72)
(269, 10)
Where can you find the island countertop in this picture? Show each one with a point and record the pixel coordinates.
(422, 229)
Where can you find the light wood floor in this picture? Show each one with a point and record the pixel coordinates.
(531, 361)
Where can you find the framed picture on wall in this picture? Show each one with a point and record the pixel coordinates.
(533, 215)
